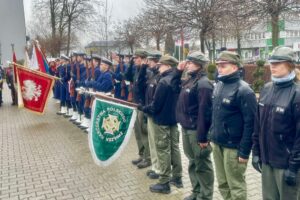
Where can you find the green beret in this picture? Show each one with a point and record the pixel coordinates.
(231, 57)
(198, 58)
(168, 60)
(140, 53)
(282, 54)
(154, 55)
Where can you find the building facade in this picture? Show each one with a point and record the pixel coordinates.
(257, 42)
(13, 32)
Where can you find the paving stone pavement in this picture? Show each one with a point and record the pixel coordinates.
(47, 157)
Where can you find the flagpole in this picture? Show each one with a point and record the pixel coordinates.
(36, 72)
(103, 96)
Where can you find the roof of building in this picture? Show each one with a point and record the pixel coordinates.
(102, 44)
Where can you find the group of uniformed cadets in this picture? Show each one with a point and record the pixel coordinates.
(81, 71)
(218, 119)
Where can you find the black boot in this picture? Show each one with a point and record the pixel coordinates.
(143, 164)
(163, 188)
(191, 197)
(177, 182)
(153, 175)
(137, 161)
(149, 172)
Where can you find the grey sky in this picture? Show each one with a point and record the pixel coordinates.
(122, 9)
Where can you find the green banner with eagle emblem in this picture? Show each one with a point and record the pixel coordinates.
(112, 125)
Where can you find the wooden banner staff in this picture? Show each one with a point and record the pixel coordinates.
(105, 97)
(34, 71)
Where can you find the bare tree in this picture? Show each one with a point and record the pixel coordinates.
(196, 14)
(239, 16)
(274, 9)
(155, 23)
(128, 33)
(66, 18)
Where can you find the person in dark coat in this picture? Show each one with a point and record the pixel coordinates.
(162, 109)
(137, 73)
(276, 138)
(104, 82)
(11, 85)
(121, 86)
(234, 105)
(152, 81)
(57, 84)
(1, 85)
(64, 75)
(194, 110)
(79, 76)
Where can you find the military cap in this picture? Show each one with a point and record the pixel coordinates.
(198, 58)
(64, 57)
(96, 57)
(88, 58)
(80, 54)
(168, 60)
(120, 55)
(282, 54)
(231, 57)
(154, 55)
(140, 53)
(74, 53)
(106, 61)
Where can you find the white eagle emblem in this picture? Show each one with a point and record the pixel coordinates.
(31, 91)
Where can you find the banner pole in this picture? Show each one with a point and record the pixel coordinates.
(102, 96)
(34, 71)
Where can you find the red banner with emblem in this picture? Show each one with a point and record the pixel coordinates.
(34, 89)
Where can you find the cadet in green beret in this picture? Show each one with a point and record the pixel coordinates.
(194, 110)
(234, 106)
(139, 91)
(162, 110)
(152, 80)
(276, 138)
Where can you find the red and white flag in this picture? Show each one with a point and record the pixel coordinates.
(15, 68)
(37, 61)
(33, 89)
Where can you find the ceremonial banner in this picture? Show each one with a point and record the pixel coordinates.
(33, 88)
(112, 125)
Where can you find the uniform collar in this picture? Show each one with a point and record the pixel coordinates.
(197, 73)
(167, 72)
(231, 78)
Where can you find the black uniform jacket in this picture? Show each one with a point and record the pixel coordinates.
(234, 106)
(163, 106)
(152, 81)
(194, 106)
(277, 126)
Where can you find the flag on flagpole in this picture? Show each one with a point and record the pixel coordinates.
(34, 65)
(33, 89)
(15, 67)
(38, 61)
(112, 125)
(27, 62)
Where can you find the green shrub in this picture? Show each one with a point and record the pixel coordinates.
(258, 75)
(211, 68)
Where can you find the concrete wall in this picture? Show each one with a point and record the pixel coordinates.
(12, 29)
